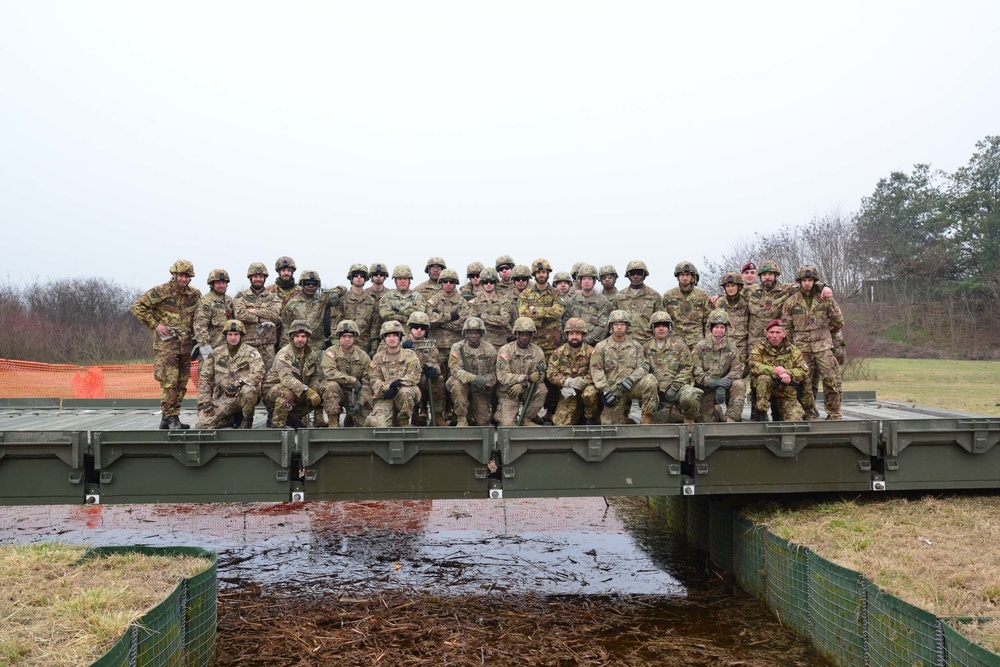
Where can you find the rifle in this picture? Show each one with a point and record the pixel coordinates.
(427, 344)
(528, 396)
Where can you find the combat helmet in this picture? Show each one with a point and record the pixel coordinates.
(401, 271)
(504, 260)
(608, 270)
(284, 263)
(182, 266)
(619, 316)
(449, 274)
(731, 278)
(378, 267)
(520, 271)
(257, 269)
(661, 317)
(718, 316)
(310, 275)
(347, 327)
(473, 324)
(575, 324)
(474, 269)
(390, 326)
(418, 318)
(234, 325)
(540, 264)
(768, 266)
(357, 268)
(300, 326)
(217, 274)
(807, 271)
(687, 267)
(431, 262)
(575, 271)
(637, 265)
(587, 270)
(488, 274)
(524, 324)
(562, 277)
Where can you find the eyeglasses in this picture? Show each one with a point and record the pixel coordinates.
(379, 273)
(520, 280)
(488, 282)
(419, 326)
(472, 276)
(355, 275)
(634, 273)
(505, 267)
(449, 282)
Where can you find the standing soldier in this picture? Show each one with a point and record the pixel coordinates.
(520, 275)
(473, 287)
(229, 381)
(472, 368)
(738, 310)
(496, 312)
(377, 273)
(359, 306)
(433, 269)
(562, 283)
(394, 377)
(400, 303)
(718, 371)
(810, 323)
(307, 304)
(214, 309)
(285, 287)
(168, 309)
(294, 385)
(569, 372)
(591, 307)
(260, 313)
(520, 377)
(504, 267)
(671, 365)
(639, 300)
(776, 369)
(345, 375)
(620, 371)
(749, 275)
(444, 311)
(542, 305)
(688, 305)
(608, 276)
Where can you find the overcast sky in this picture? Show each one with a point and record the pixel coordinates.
(135, 133)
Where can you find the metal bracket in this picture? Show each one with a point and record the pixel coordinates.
(280, 475)
(865, 466)
(298, 496)
(878, 483)
(93, 499)
(107, 477)
(891, 464)
(481, 473)
(674, 469)
(508, 472)
(687, 488)
(76, 478)
(311, 475)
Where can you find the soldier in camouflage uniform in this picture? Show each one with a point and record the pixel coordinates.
(738, 311)
(569, 372)
(294, 385)
(377, 273)
(229, 381)
(168, 310)
(688, 305)
(562, 283)
(719, 371)
(444, 311)
(542, 305)
(776, 368)
(496, 312)
(394, 376)
(472, 367)
(433, 269)
(575, 274)
(810, 323)
(589, 306)
(214, 309)
(428, 352)
(608, 275)
(285, 287)
(520, 275)
(345, 377)
(360, 307)
(308, 304)
(260, 313)
(672, 366)
(620, 370)
(749, 275)
(504, 267)
(473, 287)
(400, 303)
(520, 366)
(639, 300)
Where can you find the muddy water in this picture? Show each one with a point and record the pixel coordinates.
(579, 553)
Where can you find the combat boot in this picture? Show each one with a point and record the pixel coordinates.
(164, 423)
(174, 423)
(440, 421)
(461, 420)
(247, 421)
(647, 418)
(758, 417)
(403, 419)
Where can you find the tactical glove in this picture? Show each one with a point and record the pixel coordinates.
(390, 393)
(610, 398)
(514, 392)
(712, 384)
(567, 392)
(356, 387)
(354, 408)
(720, 395)
(407, 344)
(479, 383)
(430, 371)
(313, 397)
(625, 385)
(671, 395)
(233, 389)
(577, 383)
(725, 383)
(535, 377)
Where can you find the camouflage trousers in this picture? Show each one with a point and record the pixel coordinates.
(823, 367)
(336, 399)
(785, 396)
(402, 405)
(644, 390)
(437, 393)
(172, 368)
(469, 403)
(683, 410)
(224, 408)
(507, 408)
(568, 409)
(283, 403)
(736, 397)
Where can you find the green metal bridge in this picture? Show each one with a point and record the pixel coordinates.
(74, 452)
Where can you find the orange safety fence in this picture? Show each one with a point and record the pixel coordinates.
(30, 379)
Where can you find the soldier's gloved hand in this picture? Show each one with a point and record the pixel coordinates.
(206, 408)
(396, 384)
(354, 408)
(407, 344)
(610, 398)
(454, 315)
(577, 383)
(671, 395)
(356, 386)
(535, 377)
(725, 383)
(479, 383)
(393, 389)
(567, 392)
(468, 296)
(625, 385)
(313, 397)
(335, 299)
(395, 309)
(205, 351)
(233, 389)
(514, 392)
(430, 371)
(265, 324)
(712, 384)
(720, 395)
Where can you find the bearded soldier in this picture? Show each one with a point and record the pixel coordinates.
(260, 313)
(776, 369)
(229, 381)
(569, 372)
(214, 309)
(345, 377)
(294, 384)
(433, 269)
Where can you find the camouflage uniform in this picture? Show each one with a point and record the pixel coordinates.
(641, 307)
(547, 316)
(427, 354)
(764, 357)
(466, 363)
(253, 307)
(362, 309)
(398, 306)
(173, 306)
(714, 362)
(738, 310)
(309, 308)
(445, 315)
(810, 323)
(514, 365)
(228, 385)
(286, 385)
(688, 310)
(765, 305)
(593, 310)
(496, 313)
(671, 365)
(384, 369)
(565, 363)
(340, 371)
(210, 317)
(611, 363)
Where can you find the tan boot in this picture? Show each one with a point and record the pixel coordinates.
(460, 420)
(647, 418)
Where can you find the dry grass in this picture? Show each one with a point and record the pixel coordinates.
(936, 552)
(55, 611)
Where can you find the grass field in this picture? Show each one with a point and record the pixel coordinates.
(970, 386)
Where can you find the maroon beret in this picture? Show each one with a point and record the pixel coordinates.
(772, 324)
(748, 266)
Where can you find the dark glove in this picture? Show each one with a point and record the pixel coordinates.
(430, 371)
(396, 384)
(207, 408)
(535, 377)
(195, 352)
(335, 299)
(391, 392)
(354, 408)
(610, 398)
(479, 383)
(712, 384)
(625, 385)
(720, 395)
(725, 383)
(454, 316)
(395, 309)
(467, 296)
(671, 395)
(514, 392)
(233, 389)
(313, 397)
(407, 344)
(356, 387)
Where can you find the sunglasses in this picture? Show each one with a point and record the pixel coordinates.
(310, 283)
(449, 282)
(520, 280)
(418, 326)
(488, 282)
(377, 273)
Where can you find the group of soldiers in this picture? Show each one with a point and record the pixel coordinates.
(514, 345)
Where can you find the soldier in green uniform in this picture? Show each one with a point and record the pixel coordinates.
(400, 303)
(444, 312)
(360, 307)
(294, 385)
(496, 312)
(520, 366)
(427, 352)
(590, 306)
(639, 300)
(608, 277)
(776, 368)
(738, 311)
(345, 377)
(433, 269)
(394, 376)
(671, 364)
(520, 275)
(504, 267)
(229, 381)
(472, 365)
(688, 305)
(260, 313)
(214, 309)
(308, 304)
(168, 310)
(620, 370)
(569, 372)
(719, 371)
(473, 287)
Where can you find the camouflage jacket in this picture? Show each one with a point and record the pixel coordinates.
(764, 357)
(466, 362)
(470, 291)
(377, 295)
(713, 363)
(210, 318)
(171, 305)
(497, 314)
(363, 311)
(611, 362)
(641, 307)
(738, 310)
(567, 362)
(446, 330)
(253, 307)
(506, 290)
(547, 317)
(689, 311)
(386, 368)
(427, 288)
(671, 365)
(295, 369)
(810, 322)
(594, 310)
(398, 306)
(515, 364)
(346, 367)
(227, 366)
(285, 293)
(308, 308)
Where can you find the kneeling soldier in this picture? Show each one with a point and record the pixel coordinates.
(719, 372)
(229, 381)
(621, 372)
(394, 378)
(293, 385)
(776, 369)
(345, 369)
(473, 375)
(671, 365)
(520, 372)
(569, 371)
